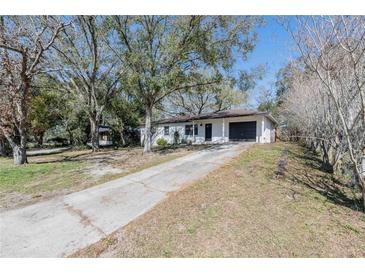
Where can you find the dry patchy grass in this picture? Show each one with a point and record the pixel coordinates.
(243, 210)
(58, 174)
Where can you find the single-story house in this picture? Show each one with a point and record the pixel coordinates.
(217, 127)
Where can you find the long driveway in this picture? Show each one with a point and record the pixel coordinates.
(62, 225)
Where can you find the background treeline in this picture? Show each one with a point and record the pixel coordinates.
(62, 77)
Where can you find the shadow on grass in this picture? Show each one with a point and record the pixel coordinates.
(46, 152)
(310, 159)
(75, 158)
(334, 192)
(323, 182)
(106, 155)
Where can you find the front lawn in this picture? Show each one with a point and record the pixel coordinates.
(58, 174)
(244, 210)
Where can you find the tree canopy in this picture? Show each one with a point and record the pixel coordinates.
(164, 55)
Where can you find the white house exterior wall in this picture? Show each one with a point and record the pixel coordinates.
(269, 132)
(105, 143)
(220, 130)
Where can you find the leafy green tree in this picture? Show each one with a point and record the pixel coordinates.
(270, 101)
(43, 113)
(122, 114)
(162, 55)
(55, 112)
(89, 70)
(269, 105)
(75, 122)
(285, 77)
(72, 117)
(267, 101)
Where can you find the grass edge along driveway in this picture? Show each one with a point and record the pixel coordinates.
(243, 210)
(52, 175)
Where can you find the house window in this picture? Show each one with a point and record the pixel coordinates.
(189, 129)
(166, 130)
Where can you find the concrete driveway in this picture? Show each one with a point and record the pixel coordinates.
(61, 226)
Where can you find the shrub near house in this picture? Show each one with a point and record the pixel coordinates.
(161, 142)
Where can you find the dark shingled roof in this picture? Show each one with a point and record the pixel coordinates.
(216, 115)
(104, 129)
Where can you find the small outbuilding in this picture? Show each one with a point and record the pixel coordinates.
(105, 136)
(216, 127)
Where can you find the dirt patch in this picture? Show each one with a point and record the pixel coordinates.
(14, 198)
(47, 176)
(281, 166)
(99, 170)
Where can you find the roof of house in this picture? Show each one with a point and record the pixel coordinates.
(104, 128)
(216, 115)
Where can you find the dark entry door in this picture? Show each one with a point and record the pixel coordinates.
(242, 131)
(208, 132)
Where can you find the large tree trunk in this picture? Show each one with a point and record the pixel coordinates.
(147, 131)
(363, 197)
(326, 164)
(2, 147)
(19, 151)
(122, 139)
(20, 155)
(94, 123)
(361, 182)
(19, 147)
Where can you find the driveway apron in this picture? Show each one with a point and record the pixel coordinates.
(62, 225)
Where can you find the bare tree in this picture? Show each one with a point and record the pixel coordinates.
(306, 108)
(332, 48)
(24, 44)
(205, 99)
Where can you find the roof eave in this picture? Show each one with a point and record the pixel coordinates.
(264, 113)
(269, 116)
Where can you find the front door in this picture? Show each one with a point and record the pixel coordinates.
(208, 132)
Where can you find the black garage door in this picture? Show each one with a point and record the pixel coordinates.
(242, 131)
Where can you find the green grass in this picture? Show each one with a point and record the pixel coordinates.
(37, 177)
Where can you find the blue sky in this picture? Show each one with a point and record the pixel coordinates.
(274, 48)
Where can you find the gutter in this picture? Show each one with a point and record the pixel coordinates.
(191, 119)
